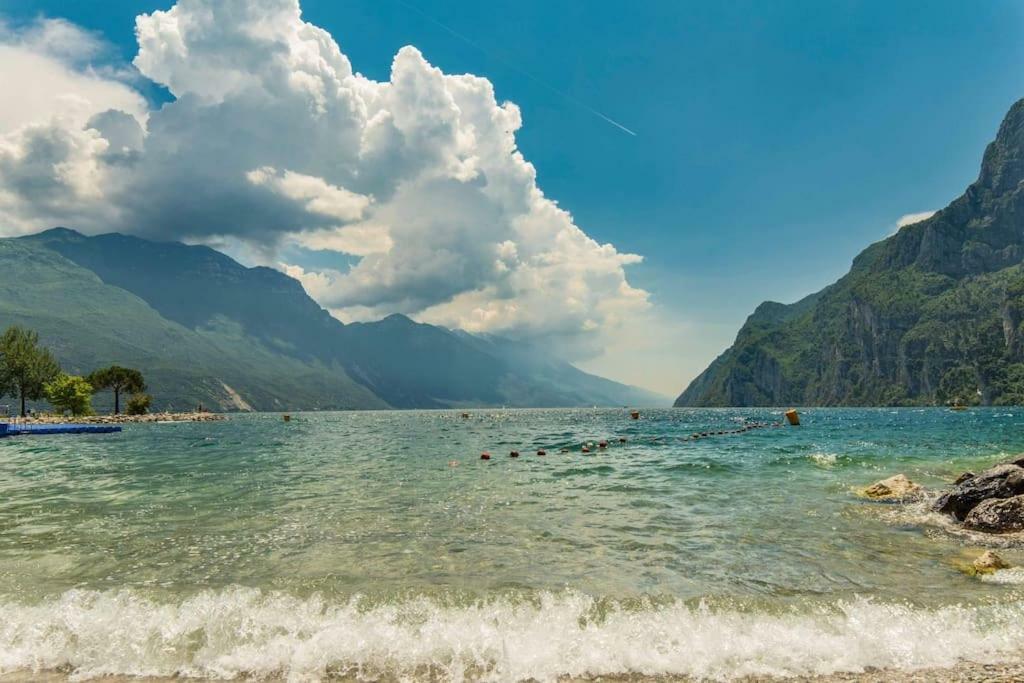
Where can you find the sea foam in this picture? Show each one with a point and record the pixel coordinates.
(239, 631)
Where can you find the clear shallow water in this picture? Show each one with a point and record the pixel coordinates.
(379, 544)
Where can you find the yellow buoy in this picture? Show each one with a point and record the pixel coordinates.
(793, 417)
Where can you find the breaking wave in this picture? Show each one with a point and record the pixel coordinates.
(240, 631)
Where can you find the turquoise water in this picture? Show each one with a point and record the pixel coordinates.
(379, 544)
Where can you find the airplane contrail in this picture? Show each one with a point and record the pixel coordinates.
(527, 74)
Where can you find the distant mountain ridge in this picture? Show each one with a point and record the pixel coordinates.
(928, 315)
(204, 328)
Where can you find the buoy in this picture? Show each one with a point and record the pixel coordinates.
(514, 454)
(635, 414)
(485, 456)
(464, 416)
(585, 449)
(563, 450)
(602, 444)
(542, 452)
(793, 417)
(287, 418)
(622, 439)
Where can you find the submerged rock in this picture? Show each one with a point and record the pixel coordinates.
(997, 515)
(897, 487)
(1001, 481)
(988, 562)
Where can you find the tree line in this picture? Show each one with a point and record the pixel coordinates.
(29, 372)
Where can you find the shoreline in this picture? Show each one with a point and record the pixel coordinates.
(120, 419)
(961, 672)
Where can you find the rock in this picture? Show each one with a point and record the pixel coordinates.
(963, 477)
(997, 515)
(988, 562)
(897, 487)
(1001, 481)
(1018, 460)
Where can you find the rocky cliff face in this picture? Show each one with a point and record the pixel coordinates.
(926, 316)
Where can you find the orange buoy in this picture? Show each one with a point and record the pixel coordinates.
(585, 449)
(514, 454)
(793, 417)
(485, 456)
(542, 452)
(635, 414)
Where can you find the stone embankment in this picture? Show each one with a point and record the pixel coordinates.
(121, 419)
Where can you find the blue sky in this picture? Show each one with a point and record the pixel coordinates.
(773, 141)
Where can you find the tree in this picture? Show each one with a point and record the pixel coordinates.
(71, 393)
(25, 367)
(117, 379)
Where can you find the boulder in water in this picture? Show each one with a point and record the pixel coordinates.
(988, 562)
(963, 477)
(997, 515)
(1001, 481)
(894, 488)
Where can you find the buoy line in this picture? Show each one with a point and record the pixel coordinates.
(588, 447)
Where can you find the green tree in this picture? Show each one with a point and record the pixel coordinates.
(25, 367)
(70, 393)
(139, 404)
(117, 379)
(960, 383)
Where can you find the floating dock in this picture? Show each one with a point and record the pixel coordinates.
(16, 429)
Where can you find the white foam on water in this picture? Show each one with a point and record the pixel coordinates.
(1013, 576)
(245, 631)
(826, 460)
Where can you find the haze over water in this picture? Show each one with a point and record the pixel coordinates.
(377, 543)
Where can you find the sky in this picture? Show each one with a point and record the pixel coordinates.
(660, 170)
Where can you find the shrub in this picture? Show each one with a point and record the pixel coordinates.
(139, 404)
(70, 393)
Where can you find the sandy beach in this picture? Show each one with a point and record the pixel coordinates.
(965, 672)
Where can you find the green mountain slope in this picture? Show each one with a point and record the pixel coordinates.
(204, 328)
(89, 324)
(931, 314)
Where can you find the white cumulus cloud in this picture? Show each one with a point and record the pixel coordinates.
(273, 139)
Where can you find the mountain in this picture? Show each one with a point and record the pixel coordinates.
(928, 315)
(205, 329)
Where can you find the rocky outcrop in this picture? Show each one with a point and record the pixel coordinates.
(997, 515)
(894, 489)
(989, 562)
(1001, 481)
(929, 315)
